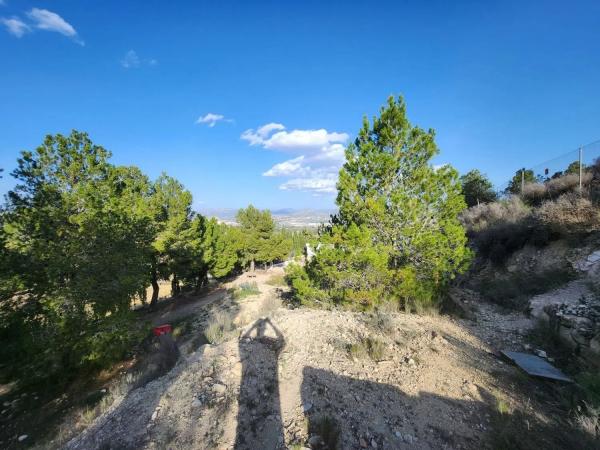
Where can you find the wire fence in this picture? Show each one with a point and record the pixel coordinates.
(559, 165)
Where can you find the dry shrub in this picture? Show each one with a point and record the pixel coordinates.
(371, 347)
(218, 327)
(567, 183)
(165, 356)
(534, 193)
(481, 217)
(570, 213)
(269, 305)
(588, 421)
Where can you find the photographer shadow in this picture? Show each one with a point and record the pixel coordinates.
(259, 424)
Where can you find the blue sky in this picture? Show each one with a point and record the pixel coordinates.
(187, 87)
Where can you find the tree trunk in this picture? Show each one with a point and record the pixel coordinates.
(174, 285)
(155, 288)
(202, 280)
(252, 266)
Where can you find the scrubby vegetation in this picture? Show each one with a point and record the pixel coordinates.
(543, 212)
(245, 290)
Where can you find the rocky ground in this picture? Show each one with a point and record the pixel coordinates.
(301, 378)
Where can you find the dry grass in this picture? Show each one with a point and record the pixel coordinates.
(218, 327)
(269, 305)
(277, 280)
(383, 318)
(587, 419)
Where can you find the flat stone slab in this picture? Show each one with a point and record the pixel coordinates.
(536, 366)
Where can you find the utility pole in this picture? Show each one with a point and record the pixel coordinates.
(580, 169)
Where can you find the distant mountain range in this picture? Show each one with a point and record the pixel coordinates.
(285, 217)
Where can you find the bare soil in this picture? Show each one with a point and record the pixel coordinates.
(302, 378)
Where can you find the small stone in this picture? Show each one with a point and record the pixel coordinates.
(363, 443)
(307, 407)
(541, 353)
(398, 434)
(219, 388)
(154, 415)
(373, 443)
(22, 437)
(196, 403)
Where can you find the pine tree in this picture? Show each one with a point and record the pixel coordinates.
(397, 233)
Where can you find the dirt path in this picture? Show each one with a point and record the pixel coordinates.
(311, 378)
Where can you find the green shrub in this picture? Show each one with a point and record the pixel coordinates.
(303, 290)
(244, 290)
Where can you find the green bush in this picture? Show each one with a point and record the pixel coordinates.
(244, 290)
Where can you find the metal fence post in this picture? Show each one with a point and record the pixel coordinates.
(580, 169)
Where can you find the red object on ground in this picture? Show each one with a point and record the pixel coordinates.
(163, 329)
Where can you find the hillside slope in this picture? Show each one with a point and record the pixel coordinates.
(320, 379)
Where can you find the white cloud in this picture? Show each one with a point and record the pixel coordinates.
(321, 154)
(131, 60)
(326, 185)
(15, 26)
(211, 119)
(292, 140)
(50, 21)
(288, 168)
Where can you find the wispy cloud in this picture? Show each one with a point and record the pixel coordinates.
(211, 119)
(15, 26)
(316, 185)
(321, 154)
(131, 60)
(49, 21)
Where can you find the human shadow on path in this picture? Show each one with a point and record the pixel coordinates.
(259, 424)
